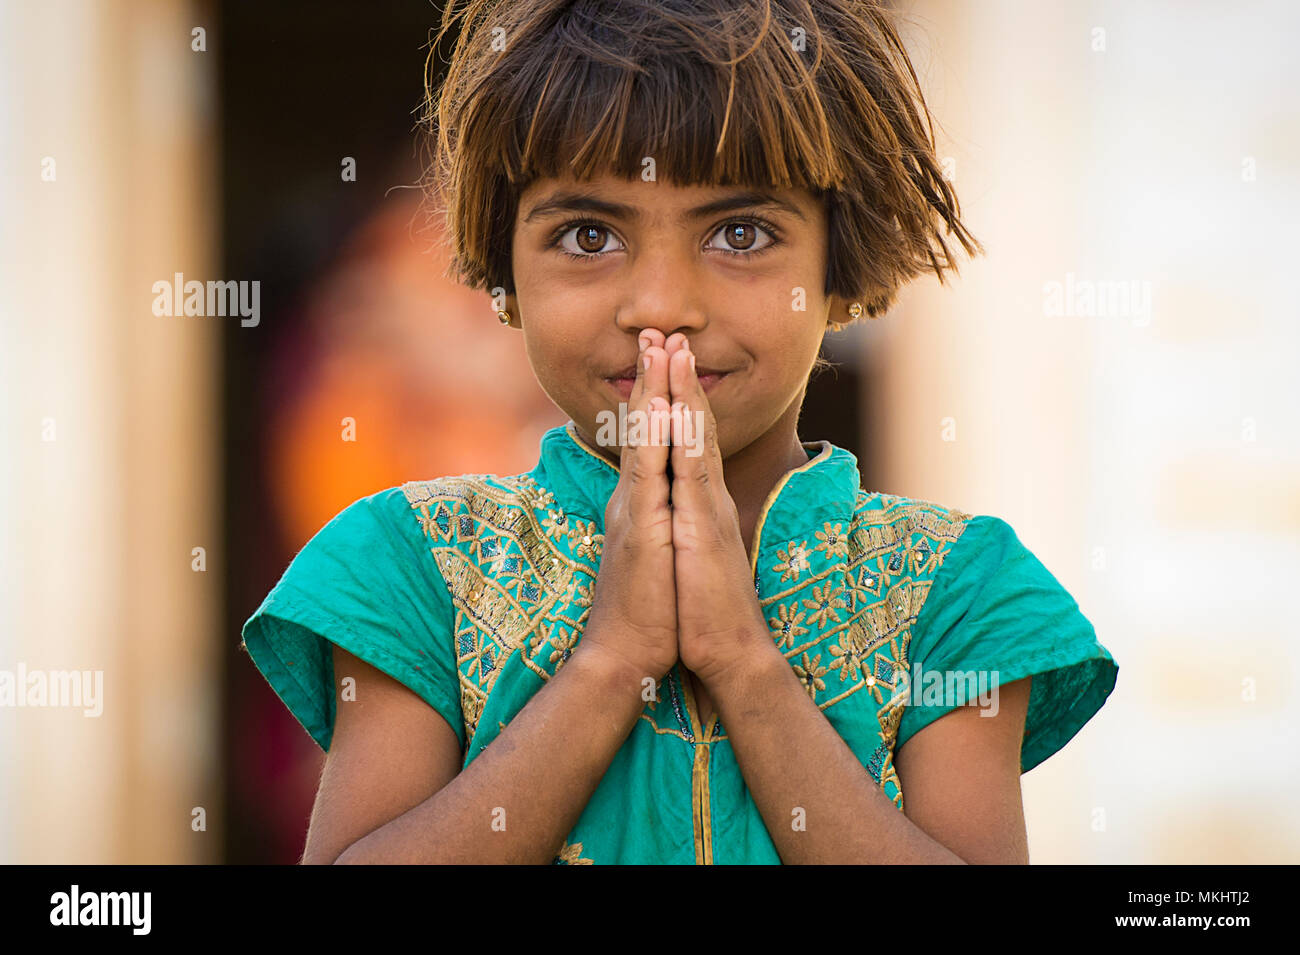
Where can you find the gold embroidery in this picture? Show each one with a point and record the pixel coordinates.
(811, 673)
(514, 587)
(832, 541)
(563, 642)
(825, 604)
(855, 596)
(520, 571)
(572, 855)
(826, 451)
(786, 624)
(794, 560)
(701, 810)
(848, 657)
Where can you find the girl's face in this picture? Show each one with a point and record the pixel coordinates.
(739, 271)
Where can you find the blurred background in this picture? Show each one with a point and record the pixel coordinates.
(1116, 379)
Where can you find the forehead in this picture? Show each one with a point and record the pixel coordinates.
(636, 200)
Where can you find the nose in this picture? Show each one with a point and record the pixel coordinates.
(661, 294)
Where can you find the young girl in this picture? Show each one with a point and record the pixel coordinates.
(696, 639)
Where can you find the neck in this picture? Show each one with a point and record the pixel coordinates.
(753, 472)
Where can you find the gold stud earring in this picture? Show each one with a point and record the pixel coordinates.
(503, 317)
(855, 311)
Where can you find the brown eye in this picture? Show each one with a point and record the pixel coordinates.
(584, 240)
(741, 235)
(591, 238)
(743, 238)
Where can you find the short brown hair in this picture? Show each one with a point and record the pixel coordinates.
(719, 92)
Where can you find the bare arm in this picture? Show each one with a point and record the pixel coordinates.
(390, 792)
(960, 777)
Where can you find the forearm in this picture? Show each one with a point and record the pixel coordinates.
(520, 797)
(792, 759)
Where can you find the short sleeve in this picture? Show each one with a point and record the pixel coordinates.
(368, 583)
(993, 608)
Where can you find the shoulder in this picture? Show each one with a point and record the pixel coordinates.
(896, 523)
(907, 516)
(366, 583)
(514, 490)
(502, 524)
(957, 560)
(411, 506)
(967, 598)
(934, 557)
(386, 536)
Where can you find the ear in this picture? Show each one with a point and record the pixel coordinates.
(838, 316)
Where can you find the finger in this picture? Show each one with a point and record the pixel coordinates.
(656, 434)
(652, 376)
(656, 376)
(699, 434)
(696, 460)
(682, 380)
(634, 398)
(650, 380)
(644, 461)
(637, 400)
(660, 426)
(645, 474)
(654, 337)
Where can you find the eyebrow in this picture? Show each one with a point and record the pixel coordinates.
(577, 201)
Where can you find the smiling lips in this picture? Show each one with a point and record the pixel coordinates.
(623, 381)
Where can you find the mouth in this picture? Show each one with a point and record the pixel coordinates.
(623, 381)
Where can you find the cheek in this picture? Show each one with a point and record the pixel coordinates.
(786, 347)
(556, 349)
(557, 364)
(542, 355)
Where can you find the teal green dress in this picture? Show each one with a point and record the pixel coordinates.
(473, 591)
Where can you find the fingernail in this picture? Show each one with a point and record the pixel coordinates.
(692, 362)
(645, 362)
(642, 341)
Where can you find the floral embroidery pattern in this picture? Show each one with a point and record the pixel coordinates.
(848, 657)
(564, 642)
(521, 572)
(832, 541)
(786, 625)
(794, 560)
(811, 674)
(581, 534)
(825, 603)
(556, 524)
(844, 620)
(572, 855)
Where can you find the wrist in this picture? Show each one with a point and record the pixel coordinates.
(761, 662)
(611, 667)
